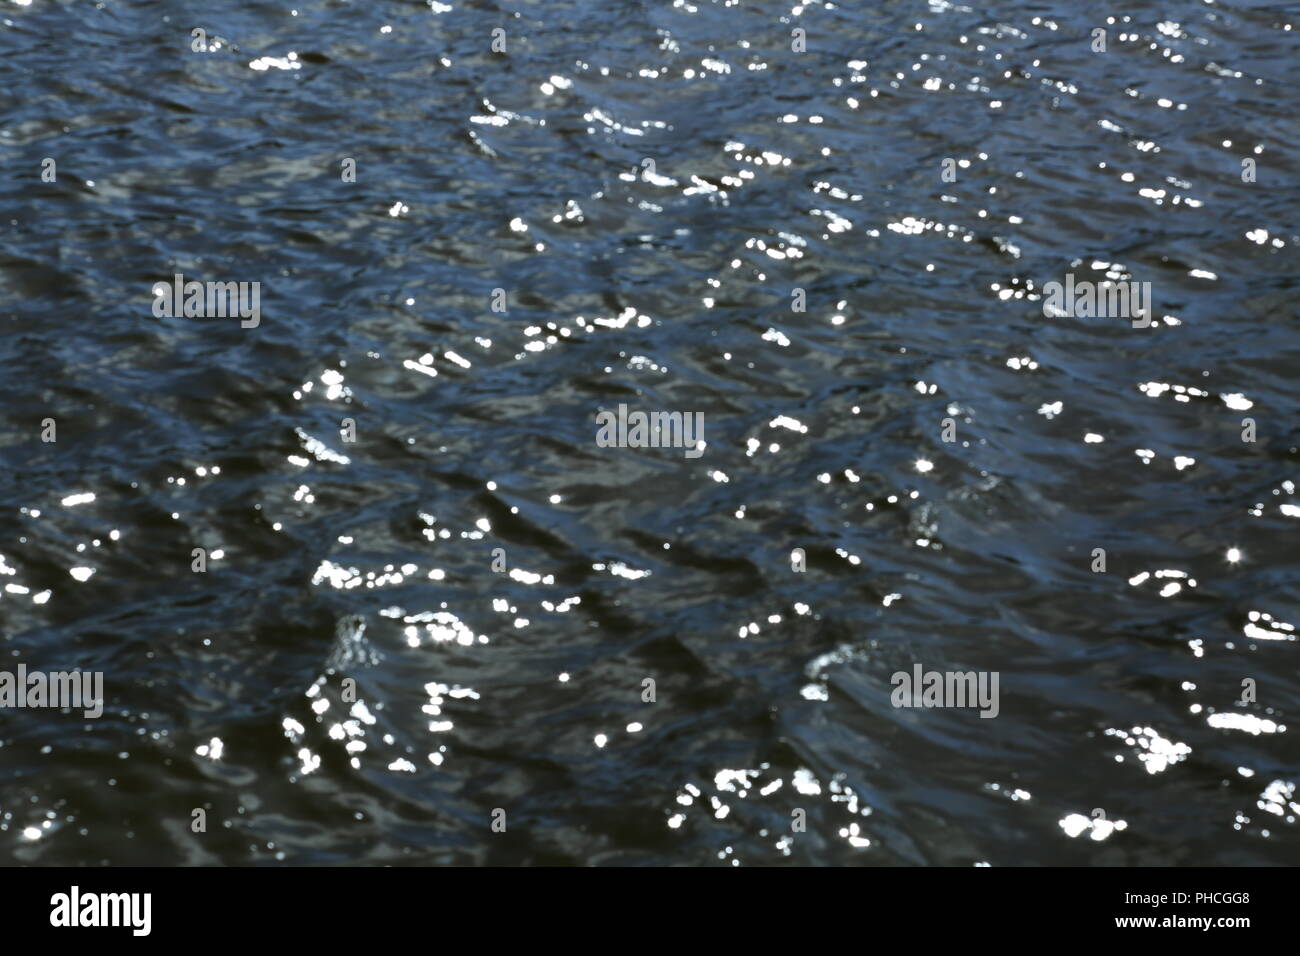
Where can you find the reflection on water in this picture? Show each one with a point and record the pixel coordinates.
(364, 586)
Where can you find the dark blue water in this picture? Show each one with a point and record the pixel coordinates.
(774, 176)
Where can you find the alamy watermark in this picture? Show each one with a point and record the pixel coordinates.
(652, 430)
(1086, 299)
(76, 909)
(76, 690)
(217, 300)
(923, 688)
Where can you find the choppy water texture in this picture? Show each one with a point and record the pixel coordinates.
(664, 286)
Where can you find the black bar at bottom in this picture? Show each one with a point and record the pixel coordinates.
(336, 906)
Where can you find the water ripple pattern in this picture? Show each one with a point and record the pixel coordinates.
(439, 622)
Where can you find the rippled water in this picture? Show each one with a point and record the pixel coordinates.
(662, 285)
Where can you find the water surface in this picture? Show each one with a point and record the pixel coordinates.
(668, 285)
